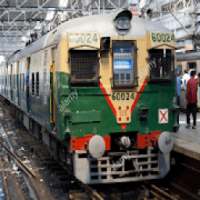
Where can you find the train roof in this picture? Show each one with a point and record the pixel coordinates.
(188, 56)
(102, 24)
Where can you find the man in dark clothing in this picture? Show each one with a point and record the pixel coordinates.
(191, 97)
(199, 79)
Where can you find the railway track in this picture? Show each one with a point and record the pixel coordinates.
(158, 193)
(181, 184)
(31, 181)
(172, 192)
(22, 148)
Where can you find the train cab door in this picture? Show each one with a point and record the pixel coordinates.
(28, 61)
(52, 78)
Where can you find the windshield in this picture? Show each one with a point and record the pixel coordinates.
(123, 63)
(84, 66)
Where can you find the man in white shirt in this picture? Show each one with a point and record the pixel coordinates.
(185, 78)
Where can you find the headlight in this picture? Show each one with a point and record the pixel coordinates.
(125, 141)
(165, 142)
(96, 146)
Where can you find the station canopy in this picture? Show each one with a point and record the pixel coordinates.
(21, 18)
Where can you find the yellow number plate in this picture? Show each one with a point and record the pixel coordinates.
(124, 96)
(84, 39)
(162, 37)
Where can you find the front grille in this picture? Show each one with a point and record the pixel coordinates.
(125, 167)
(120, 167)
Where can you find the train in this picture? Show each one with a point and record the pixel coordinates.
(99, 91)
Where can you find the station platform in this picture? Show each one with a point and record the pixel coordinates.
(187, 140)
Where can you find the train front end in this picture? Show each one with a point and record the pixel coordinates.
(121, 108)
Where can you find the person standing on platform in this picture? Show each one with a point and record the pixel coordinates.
(199, 79)
(185, 79)
(191, 98)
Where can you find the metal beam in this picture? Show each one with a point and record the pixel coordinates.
(36, 9)
(19, 23)
(21, 16)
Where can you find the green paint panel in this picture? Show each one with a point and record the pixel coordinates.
(86, 117)
(155, 96)
(63, 113)
(89, 112)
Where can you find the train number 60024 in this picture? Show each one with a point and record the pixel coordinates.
(124, 96)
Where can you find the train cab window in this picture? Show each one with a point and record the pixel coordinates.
(33, 84)
(37, 84)
(84, 66)
(124, 63)
(161, 63)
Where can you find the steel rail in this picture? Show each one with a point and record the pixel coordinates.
(20, 164)
(155, 190)
(185, 191)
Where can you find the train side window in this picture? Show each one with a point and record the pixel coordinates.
(16, 81)
(24, 82)
(12, 81)
(19, 81)
(33, 84)
(124, 64)
(161, 63)
(37, 84)
(84, 66)
(192, 65)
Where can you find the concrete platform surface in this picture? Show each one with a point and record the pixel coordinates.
(187, 140)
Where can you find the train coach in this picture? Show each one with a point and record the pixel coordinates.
(99, 92)
(188, 61)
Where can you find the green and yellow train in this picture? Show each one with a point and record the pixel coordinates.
(99, 91)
